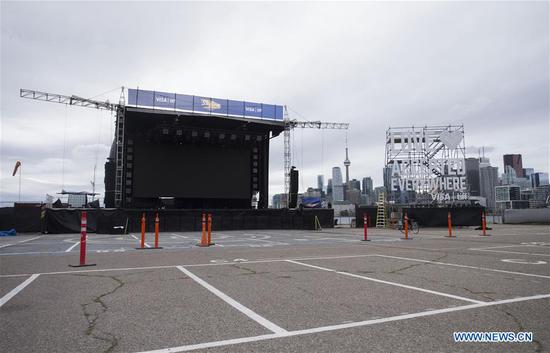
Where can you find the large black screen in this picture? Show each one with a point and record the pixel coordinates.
(191, 171)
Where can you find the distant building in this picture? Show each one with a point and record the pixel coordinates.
(540, 196)
(390, 194)
(353, 196)
(509, 177)
(509, 196)
(279, 201)
(488, 180)
(539, 179)
(311, 192)
(507, 193)
(337, 185)
(355, 184)
(329, 188)
(472, 175)
(320, 182)
(484, 162)
(527, 172)
(514, 161)
(367, 186)
(377, 191)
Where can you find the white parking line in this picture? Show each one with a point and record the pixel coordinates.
(72, 246)
(180, 236)
(387, 282)
(343, 326)
(512, 252)
(492, 249)
(243, 309)
(19, 242)
(17, 289)
(136, 238)
(27, 240)
(463, 266)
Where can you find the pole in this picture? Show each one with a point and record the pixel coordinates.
(20, 171)
(157, 231)
(203, 238)
(143, 230)
(210, 229)
(83, 236)
(83, 226)
(449, 224)
(484, 223)
(365, 226)
(406, 226)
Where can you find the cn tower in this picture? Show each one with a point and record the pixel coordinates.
(347, 164)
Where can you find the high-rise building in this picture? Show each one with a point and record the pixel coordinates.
(390, 194)
(279, 201)
(527, 172)
(347, 163)
(509, 196)
(488, 180)
(367, 186)
(329, 188)
(353, 196)
(320, 182)
(377, 191)
(354, 184)
(540, 195)
(514, 161)
(539, 179)
(337, 185)
(484, 162)
(472, 175)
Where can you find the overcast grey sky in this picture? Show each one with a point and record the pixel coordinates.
(372, 64)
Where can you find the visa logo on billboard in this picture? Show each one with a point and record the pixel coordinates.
(210, 104)
(165, 100)
(253, 109)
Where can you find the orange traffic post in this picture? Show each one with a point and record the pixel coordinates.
(83, 237)
(365, 226)
(449, 224)
(210, 229)
(157, 231)
(143, 231)
(204, 241)
(406, 226)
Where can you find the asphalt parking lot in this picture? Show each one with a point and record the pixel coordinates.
(276, 291)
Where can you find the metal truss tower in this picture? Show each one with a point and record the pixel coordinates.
(292, 124)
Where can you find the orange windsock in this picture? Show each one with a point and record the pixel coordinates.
(17, 165)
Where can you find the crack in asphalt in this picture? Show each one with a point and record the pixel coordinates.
(482, 294)
(396, 271)
(249, 271)
(521, 328)
(93, 317)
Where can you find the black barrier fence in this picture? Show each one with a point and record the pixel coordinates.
(22, 219)
(360, 212)
(113, 221)
(428, 216)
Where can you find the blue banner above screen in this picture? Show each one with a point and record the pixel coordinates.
(203, 105)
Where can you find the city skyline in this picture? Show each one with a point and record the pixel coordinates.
(500, 167)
